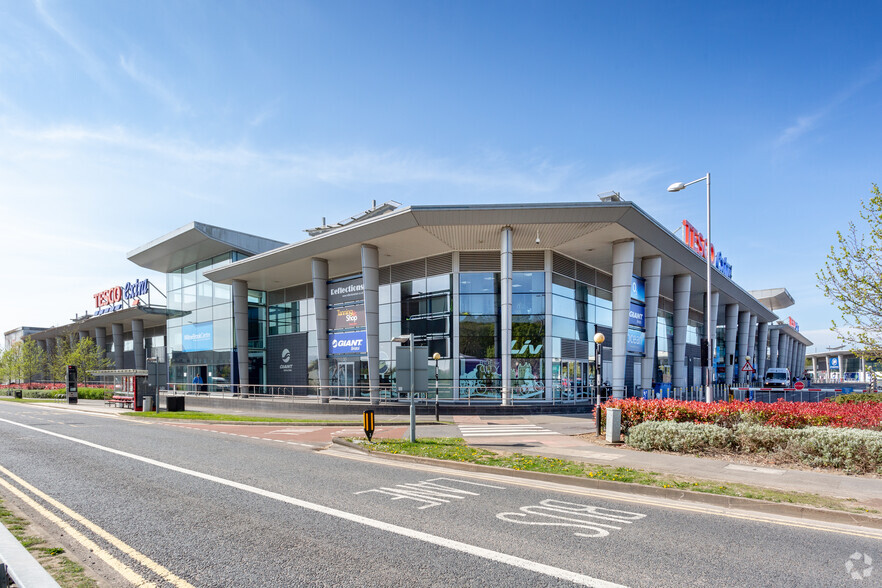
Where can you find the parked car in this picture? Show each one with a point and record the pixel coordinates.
(777, 378)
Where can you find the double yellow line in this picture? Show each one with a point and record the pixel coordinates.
(123, 569)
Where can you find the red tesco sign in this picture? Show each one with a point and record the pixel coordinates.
(110, 296)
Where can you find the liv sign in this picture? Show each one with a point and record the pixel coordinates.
(699, 244)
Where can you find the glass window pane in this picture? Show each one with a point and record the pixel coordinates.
(188, 275)
(439, 283)
(478, 304)
(223, 293)
(174, 280)
(565, 307)
(523, 282)
(563, 286)
(223, 335)
(222, 311)
(563, 327)
(189, 298)
(477, 283)
(204, 297)
(528, 304)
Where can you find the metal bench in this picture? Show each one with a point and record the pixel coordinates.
(121, 401)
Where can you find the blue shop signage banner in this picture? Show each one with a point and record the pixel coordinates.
(197, 337)
(352, 342)
(636, 342)
(636, 315)
(833, 363)
(638, 289)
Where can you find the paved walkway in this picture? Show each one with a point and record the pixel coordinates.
(554, 436)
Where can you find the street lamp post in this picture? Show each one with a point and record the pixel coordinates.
(436, 356)
(598, 363)
(709, 393)
(409, 339)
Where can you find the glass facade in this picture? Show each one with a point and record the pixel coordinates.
(199, 336)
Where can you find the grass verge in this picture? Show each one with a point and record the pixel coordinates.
(455, 449)
(27, 400)
(208, 416)
(67, 573)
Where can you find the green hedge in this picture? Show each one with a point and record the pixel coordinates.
(860, 397)
(851, 450)
(84, 393)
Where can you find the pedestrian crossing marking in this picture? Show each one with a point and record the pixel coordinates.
(504, 430)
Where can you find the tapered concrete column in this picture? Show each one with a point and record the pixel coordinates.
(50, 348)
(138, 344)
(82, 335)
(240, 326)
(800, 362)
(761, 346)
(715, 309)
(751, 342)
(652, 277)
(682, 292)
(784, 351)
(623, 269)
(320, 294)
(731, 334)
(549, 357)
(743, 331)
(72, 340)
(454, 352)
(101, 340)
(505, 311)
(841, 368)
(774, 347)
(370, 271)
(118, 345)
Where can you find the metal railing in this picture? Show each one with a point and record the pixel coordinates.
(555, 395)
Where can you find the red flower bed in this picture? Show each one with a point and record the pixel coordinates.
(32, 386)
(784, 414)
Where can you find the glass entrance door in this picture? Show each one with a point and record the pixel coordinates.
(346, 378)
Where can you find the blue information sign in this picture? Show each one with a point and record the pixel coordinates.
(638, 289)
(636, 315)
(351, 342)
(197, 337)
(636, 342)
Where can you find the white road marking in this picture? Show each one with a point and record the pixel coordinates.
(124, 570)
(429, 492)
(744, 468)
(474, 550)
(579, 516)
(503, 431)
(732, 513)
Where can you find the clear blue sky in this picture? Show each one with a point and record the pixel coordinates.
(121, 121)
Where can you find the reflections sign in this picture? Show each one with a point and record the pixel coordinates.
(346, 291)
(197, 337)
(354, 342)
(638, 289)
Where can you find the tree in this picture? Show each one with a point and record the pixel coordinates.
(852, 279)
(24, 360)
(87, 357)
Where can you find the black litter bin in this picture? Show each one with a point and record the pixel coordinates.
(174, 403)
(17, 393)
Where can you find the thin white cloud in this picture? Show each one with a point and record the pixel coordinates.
(807, 123)
(356, 167)
(91, 64)
(152, 85)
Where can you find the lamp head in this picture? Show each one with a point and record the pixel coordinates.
(436, 356)
(676, 187)
(599, 338)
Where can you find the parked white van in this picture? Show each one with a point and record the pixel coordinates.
(777, 378)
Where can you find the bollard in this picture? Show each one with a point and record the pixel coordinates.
(613, 425)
